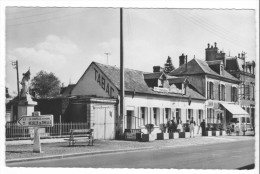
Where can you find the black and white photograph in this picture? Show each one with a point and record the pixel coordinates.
(130, 87)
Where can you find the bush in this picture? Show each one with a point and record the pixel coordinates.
(149, 128)
(163, 128)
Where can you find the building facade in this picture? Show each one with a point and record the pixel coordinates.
(213, 82)
(150, 98)
(245, 72)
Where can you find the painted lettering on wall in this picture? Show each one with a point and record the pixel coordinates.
(103, 83)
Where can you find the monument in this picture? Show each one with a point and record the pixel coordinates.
(26, 104)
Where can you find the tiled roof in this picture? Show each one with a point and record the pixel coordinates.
(197, 66)
(134, 81)
(67, 90)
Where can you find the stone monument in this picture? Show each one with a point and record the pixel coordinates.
(26, 104)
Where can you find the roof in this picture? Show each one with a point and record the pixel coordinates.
(176, 80)
(67, 90)
(155, 75)
(197, 66)
(134, 81)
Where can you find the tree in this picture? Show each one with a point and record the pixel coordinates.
(45, 84)
(168, 66)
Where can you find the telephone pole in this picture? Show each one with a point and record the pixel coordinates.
(107, 56)
(15, 66)
(122, 77)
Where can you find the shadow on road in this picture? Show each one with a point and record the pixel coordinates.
(248, 167)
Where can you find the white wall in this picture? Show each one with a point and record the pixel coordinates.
(94, 82)
(160, 102)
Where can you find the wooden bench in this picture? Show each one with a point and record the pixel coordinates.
(87, 135)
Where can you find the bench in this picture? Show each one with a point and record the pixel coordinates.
(88, 135)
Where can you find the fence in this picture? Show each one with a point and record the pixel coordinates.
(13, 130)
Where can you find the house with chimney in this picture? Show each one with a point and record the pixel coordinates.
(245, 72)
(150, 98)
(212, 81)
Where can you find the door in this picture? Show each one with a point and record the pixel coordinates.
(104, 122)
(129, 119)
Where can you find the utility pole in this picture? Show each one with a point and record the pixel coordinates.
(15, 66)
(122, 78)
(107, 56)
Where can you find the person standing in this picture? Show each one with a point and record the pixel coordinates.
(179, 127)
(237, 128)
(203, 128)
(192, 126)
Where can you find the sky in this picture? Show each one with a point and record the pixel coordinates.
(66, 40)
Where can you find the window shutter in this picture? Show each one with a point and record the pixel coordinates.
(207, 90)
(212, 92)
(224, 97)
(219, 92)
(232, 93)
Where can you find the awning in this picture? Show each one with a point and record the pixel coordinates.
(235, 110)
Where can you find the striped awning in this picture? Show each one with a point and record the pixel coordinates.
(235, 110)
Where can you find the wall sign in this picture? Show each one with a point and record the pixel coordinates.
(103, 83)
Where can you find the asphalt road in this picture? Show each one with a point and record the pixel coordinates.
(231, 155)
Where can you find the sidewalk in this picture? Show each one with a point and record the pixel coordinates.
(58, 148)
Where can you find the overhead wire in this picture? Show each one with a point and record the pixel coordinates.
(43, 20)
(205, 27)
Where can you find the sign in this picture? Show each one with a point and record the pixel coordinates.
(164, 90)
(36, 121)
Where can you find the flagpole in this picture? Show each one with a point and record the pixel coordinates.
(122, 78)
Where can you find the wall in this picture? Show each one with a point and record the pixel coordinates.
(160, 102)
(94, 82)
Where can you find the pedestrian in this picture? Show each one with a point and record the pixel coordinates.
(237, 128)
(243, 128)
(179, 127)
(192, 126)
(203, 128)
(229, 129)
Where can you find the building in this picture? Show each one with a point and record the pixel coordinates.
(245, 72)
(149, 98)
(213, 82)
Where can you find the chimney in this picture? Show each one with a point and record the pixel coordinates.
(186, 66)
(215, 44)
(208, 45)
(157, 69)
(182, 59)
(238, 55)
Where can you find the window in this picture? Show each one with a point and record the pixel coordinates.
(234, 94)
(200, 116)
(155, 116)
(253, 92)
(248, 119)
(142, 115)
(210, 90)
(223, 92)
(167, 113)
(178, 114)
(210, 115)
(190, 114)
(243, 91)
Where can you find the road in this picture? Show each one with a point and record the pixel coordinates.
(231, 155)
